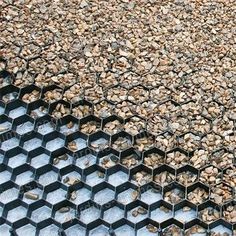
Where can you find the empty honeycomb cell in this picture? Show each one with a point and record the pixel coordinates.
(9, 141)
(125, 229)
(89, 212)
(5, 174)
(26, 229)
(39, 157)
(103, 193)
(15, 211)
(114, 213)
(77, 228)
(31, 141)
(49, 227)
(53, 141)
(23, 174)
(150, 193)
(55, 193)
(117, 175)
(16, 109)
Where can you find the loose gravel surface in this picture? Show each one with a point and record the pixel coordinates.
(119, 109)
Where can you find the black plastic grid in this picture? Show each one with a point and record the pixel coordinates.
(59, 178)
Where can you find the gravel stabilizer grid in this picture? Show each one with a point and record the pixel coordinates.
(117, 118)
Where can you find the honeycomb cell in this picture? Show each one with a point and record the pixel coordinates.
(30, 94)
(94, 175)
(144, 141)
(150, 193)
(68, 125)
(138, 94)
(26, 229)
(81, 109)
(16, 109)
(99, 141)
(113, 213)
(23, 174)
(153, 158)
(173, 193)
(80, 193)
(89, 212)
(134, 125)
(31, 141)
(130, 158)
(64, 212)
(40, 211)
(85, 159)
(9, 93)
(23, 124)
(136, 212)
(117, 175)
(189, 141)
(161, 211)
(104, 194)
(166, 141)
(76, 141)
(177, 158)
(208, 212)
(31, 192)
(54, 141)
(15, 211)
(45, 125)
(9, 192)
(55, 193)
(185, 212)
